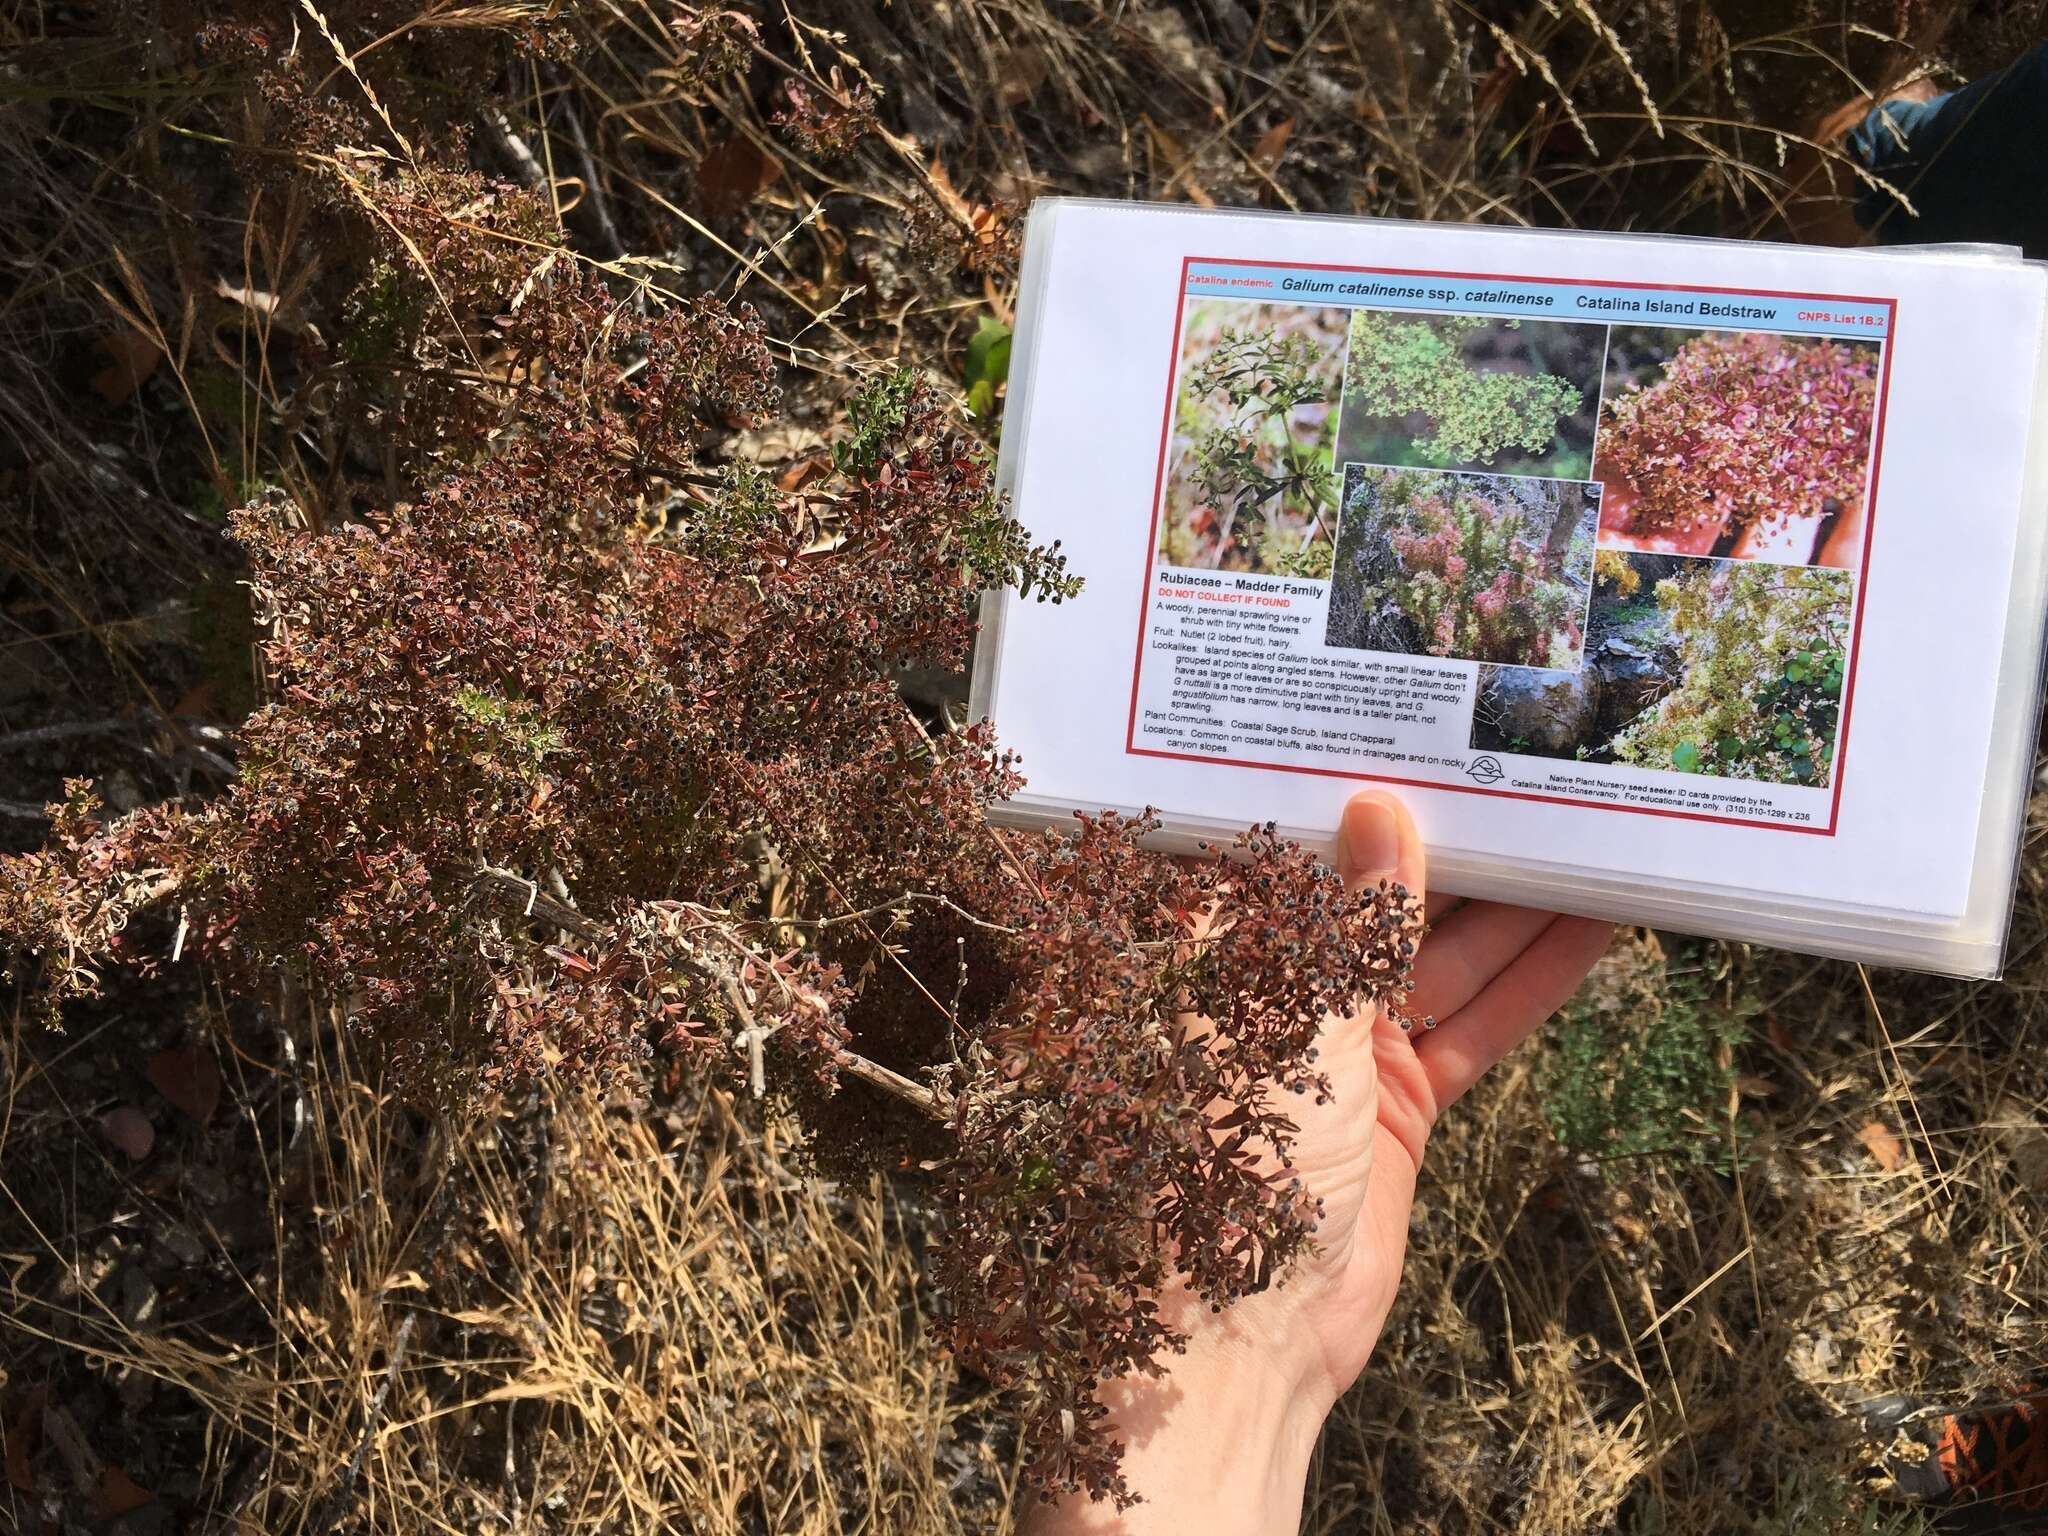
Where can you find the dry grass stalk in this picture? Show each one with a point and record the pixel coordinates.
(571, 1316)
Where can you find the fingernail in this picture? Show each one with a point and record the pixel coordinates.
(1370, 839)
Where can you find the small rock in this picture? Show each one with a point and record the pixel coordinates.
(1630, 683)
(129, 1129)
(181, 1243)
(208, 1184)
(139, 1298)
(151, 1519)
(120, 790)
(1550, 713)
(189, 1077)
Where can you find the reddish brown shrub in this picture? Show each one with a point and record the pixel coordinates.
(533, 734)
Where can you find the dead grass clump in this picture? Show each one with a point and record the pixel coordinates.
(1668, 1347)
(569, 1316)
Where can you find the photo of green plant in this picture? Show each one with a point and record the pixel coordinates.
(1728, 668)
(1737, 444)
(1494, 568)
(1468, 392)
(1251, 484)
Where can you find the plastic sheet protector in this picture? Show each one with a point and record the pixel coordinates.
(1687, 582)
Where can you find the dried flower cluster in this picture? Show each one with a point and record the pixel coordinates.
(828, 122)
(710, 45)
(535, 733)
(942, 233)
(1133, 1106)
(1741, 430)
(1401, 365)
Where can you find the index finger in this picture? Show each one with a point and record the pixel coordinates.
(1510, 1008)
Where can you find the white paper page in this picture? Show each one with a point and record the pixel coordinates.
(1861, 783)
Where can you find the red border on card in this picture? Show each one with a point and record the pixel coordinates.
(1891, 307)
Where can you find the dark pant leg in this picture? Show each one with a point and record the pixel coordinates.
(1973, 164)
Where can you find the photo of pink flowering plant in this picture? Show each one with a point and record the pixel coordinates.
(1741, 445)
(1494, 568)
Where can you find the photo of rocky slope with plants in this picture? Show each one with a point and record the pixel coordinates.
(1762, 658)
(1492, 568)
(1725, 668)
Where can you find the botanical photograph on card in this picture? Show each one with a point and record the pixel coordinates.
(1737, 444)
(1469, 392)
(1728, 668)
(1479, 567)
(1250, 482)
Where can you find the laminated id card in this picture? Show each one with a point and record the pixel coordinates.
(1688, 582)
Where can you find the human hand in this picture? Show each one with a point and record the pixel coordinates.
(1221, 1441)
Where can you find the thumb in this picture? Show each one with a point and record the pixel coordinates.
(1377, 840)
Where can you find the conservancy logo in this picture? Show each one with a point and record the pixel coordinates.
(1486, 769)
